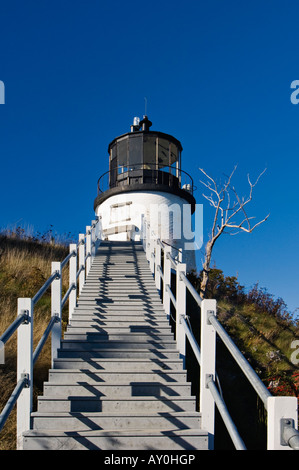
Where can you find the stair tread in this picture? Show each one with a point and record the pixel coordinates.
(163, 432)
(79, 414)
(118, 384)
(128, 398)
(85, 370)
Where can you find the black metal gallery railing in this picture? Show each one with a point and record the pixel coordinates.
(145, 174)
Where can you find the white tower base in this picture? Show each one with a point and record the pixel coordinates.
(169, 216)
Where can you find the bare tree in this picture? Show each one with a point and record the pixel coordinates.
(230, 215)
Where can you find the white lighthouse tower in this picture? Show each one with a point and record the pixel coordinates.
(145, 180)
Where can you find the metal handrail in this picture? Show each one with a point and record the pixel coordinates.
(160, 272)
(13, 327)
(229, 424)
(172, 297)
(22, 383)
(253, 378)
(172, 260)
(82, 268)
(69, 256)
(43, 289)
(192, 340)
(183, 277)
(290, 435)
(160, 243)
(67, 294)
(191, 289)
(44, 338)
(81, 242)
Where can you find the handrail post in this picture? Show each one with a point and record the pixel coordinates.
(157, 265)
(93, 239)
(144, 233)
(208, 368)
(142, 236)
(279, 409)
(180, 311)
(147, 241)
(166, 280)
(152, 261)
(24, 368)
(73, 280)
(81, 261)
(56, 288)
(88, 249)
(180, 255)
(98, 233)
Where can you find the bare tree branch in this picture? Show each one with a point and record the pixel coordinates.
(226, 217)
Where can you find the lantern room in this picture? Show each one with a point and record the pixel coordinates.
(147, 160)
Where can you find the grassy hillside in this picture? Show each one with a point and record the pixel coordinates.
(261, 326)
(267, 334)
(25, 264)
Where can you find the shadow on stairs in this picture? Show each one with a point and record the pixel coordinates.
(118, 382)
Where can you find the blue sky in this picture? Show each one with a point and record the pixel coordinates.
(216, 75)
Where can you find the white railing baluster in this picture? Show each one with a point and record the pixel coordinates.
(141, 229)
(207, 369)
(147, 242)
(24, 368)
(157, 265)
(93, 239)
(56, 288)
(88, 249)
(152, 260)
(73, 280)
(81, 261)
(180, 311)
(143, 225)
(166, 280)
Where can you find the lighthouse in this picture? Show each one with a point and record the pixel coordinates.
(145, 181)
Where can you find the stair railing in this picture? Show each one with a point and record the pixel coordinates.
(282, 413)
(82, 255)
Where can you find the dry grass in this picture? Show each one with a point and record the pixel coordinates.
(24, 267)
(263, 338)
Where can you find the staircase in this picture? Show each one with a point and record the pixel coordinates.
(118, 382)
